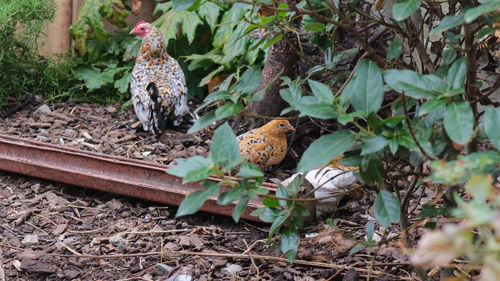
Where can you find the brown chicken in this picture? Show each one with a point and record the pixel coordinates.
(265, 146)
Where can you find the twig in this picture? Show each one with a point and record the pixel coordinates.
(372, 262)
(156, 231)
(407, 118)
(107, 256)
(334, 275)
(278, 259)
(2, 272)
(18, 106)
(70, 249)
(23, 217)
(336, 194)
(490, 91)
(350, 75)
(249, 114)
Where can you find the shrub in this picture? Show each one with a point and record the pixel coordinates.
(22, 69)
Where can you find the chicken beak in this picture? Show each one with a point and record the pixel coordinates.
(133, 31)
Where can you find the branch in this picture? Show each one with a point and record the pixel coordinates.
(407, 118)
(427, 62)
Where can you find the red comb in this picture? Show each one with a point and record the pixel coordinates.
(139, 23)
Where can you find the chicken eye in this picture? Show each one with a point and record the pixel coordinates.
(281, 125)
(142, 28)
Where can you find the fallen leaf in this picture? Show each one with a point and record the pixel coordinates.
(136, 6)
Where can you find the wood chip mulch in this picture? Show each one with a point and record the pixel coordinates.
(52, 231)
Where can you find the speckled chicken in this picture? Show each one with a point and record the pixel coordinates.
(265, 146)
(158, 86)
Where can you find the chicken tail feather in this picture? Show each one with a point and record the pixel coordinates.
(158, 113)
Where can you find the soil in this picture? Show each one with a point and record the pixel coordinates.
(52, 231)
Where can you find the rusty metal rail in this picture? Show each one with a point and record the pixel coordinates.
(113, 174)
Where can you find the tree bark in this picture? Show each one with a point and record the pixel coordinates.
(281, 56)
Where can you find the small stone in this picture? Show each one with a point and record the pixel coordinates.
(30, 239)
(69, 133)
(111, 109)
(181, 277)
(17, 264)
(162, 269)
(86, 135)
(117, 240)
(232, 269)
(43, 109)
(71, 274)
(36, 188)
(44, 132)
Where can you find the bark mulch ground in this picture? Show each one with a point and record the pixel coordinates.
(52, 231)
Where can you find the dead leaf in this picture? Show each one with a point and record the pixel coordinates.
(136, 6)
(35, 266)
(29, 254)
(59, 229)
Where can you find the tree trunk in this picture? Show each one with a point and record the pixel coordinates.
(281, 57)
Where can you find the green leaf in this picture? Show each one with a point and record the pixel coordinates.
(181, 5)
(273, 40)
(224, 149)
(228, 109)
(473, 13)
(431, 105)
(197, 174)
(395, 49)
(479, 186)
(292, 94)
(346, 118)
(414, 84)
(491, 122)
(249, 81)
(289, 243)
(321, 111)
(366, 92)
(203, 122)
(403, 9)
(271, 202)
(448, 22)
(325, 149)
(449, 56)
(356, 249)
(456, 74)
(249, 170)
(386, 208)
(374, 144)
(370, 170)
(259, 212)
(122, 84)
(278, 221)
(282, 192)
(209, 76)
(185, 165)
(315, 27)
(240, 208)
(373, 122)
(195, 200)
(93, 77)
(321, 91)
(228, 197)
(210, 12)
(370, 230)
(337, 57)
(392, 121)
(190, 23)
(459, 121)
